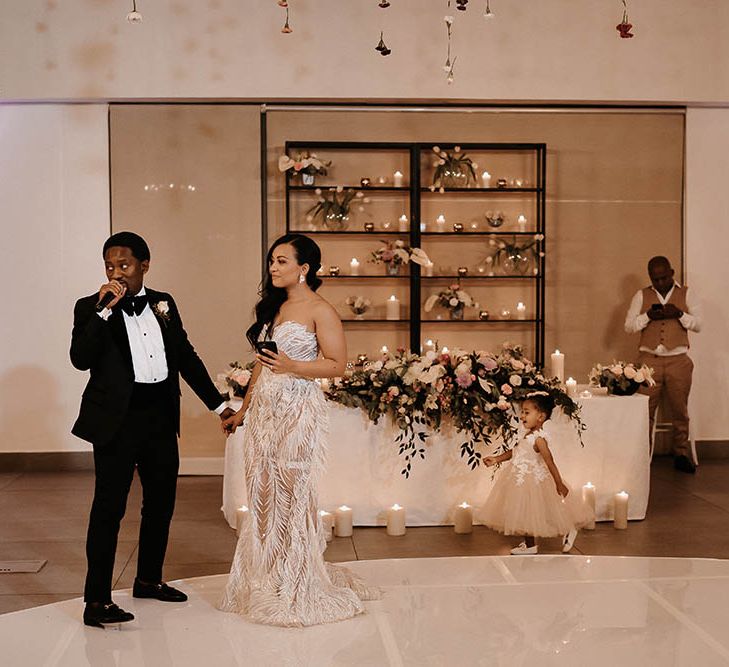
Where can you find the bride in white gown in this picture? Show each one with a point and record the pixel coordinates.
(279, 575)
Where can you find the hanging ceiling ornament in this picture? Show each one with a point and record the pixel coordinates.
(286, 28)
(382, 47)
(624, 27)
(461, 5)
(134, 16)
(488, 14)
(384, 4)
(283, 3)
(448, 66)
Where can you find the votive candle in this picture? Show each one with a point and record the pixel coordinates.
(463, 519)
(396, 521)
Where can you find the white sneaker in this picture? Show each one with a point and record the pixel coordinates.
(569, 541)
(523, 550)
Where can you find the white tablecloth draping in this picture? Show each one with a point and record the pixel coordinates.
(363, 469)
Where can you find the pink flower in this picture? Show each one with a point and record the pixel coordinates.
(464, 381)
(506, 389)
(455, 286)
(488, 363)
(387, 255)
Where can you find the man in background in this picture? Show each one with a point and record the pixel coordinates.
(663, 314)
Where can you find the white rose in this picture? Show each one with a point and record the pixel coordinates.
(616, 370)
(639, 377)
(453, 302)
(630, 372)
(515, 380)
(163, 307)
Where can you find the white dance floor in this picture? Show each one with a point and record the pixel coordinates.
(519, 610)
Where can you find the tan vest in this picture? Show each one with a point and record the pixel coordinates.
(668, 333)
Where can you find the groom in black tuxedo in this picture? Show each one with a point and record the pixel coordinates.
(133, 342)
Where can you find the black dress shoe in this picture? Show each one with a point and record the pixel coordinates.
(684, 464)
(159, 591)
(99, 614)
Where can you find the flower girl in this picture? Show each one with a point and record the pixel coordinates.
(529, 497)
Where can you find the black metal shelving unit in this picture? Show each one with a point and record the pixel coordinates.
(417, 193)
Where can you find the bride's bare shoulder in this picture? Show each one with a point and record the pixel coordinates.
(323, 310)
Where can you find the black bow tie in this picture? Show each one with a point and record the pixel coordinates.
(134, 305)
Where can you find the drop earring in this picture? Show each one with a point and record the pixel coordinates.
(302, 279)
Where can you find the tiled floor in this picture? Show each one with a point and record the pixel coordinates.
(44, 517)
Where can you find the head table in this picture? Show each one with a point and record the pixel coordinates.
(363, 465)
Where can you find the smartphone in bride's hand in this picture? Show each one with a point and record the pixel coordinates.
(266, 345)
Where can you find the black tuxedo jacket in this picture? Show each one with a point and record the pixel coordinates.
(103, 348)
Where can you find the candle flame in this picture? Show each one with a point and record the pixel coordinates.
(464, 504)
(396, 507)
(344, 508)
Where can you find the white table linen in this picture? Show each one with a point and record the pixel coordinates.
(363, 469)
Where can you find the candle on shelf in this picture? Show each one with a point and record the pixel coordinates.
(483, 315)
(440, 221)
(333, 270)
(384, 349)
(386, 226)
(397, 179)
(241, 515)
(382, 180)
(588, 497)
(463, 519)
(462, 271)
(402, 223)
(343, 521)
(327, 522)
(429, 345)
(558, 365)
(428, 268)
(457, 227)
(520, 311)
(444, 350)
(369, 226)
(486, 179)
(423, 227)
(365, 182)
(354, 266)
(620, 516)
(396, 520)
(392, 308)
(521, 221)
(505, 314)
(571, 386)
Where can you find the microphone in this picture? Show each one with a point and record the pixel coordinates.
(105, 301)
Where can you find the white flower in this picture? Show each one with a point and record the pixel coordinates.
(419, 256)
(134, 17)
(518, 365)
(394, 390)
(392, 364)
(453, 302)
(639, 377)
(515, 380)
(432, 375)
(377, 366)
(163, 307)
(449, 21)
(617, 370)
(432, 299)
(430, 355)
(630, 372)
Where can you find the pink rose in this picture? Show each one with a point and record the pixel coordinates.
(506, 389)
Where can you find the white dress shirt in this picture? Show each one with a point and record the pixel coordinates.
(147, 345)
(635, 321)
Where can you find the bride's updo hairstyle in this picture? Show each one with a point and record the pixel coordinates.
(307, 252)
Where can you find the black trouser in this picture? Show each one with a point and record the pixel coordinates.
(146, 440)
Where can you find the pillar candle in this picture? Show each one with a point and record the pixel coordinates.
(620, 517)
(463, 519)
(396, 520)
(428, 269)
(520, 311)
(571, 386)
(397, 179)
(343, 521)
(384, 350)
(354, 266)
(403, 223)
(558, 365)
(486, 179)
(429, 345)
(327, 521)
(588, 497)
(392, 308)
(440, 221)
(521, 221)
(241, 515)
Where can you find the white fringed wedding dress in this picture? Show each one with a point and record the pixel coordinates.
(278, 575)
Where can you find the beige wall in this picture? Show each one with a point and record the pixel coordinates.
(546, 50)
(205, 242)
(54, 190)
(614, 190)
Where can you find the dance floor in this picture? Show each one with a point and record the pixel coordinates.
(485, 610)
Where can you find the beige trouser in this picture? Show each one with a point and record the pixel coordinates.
(673, 379)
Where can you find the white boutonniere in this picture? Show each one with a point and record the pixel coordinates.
(162, 310)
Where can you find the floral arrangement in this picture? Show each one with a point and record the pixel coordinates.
(304, 163)
(514, 257)
(621, 379)
(475, 392)
(453, 298)
(452, 169)
(333, 206)
(358, 304)
(237, 377)
(397, 253)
